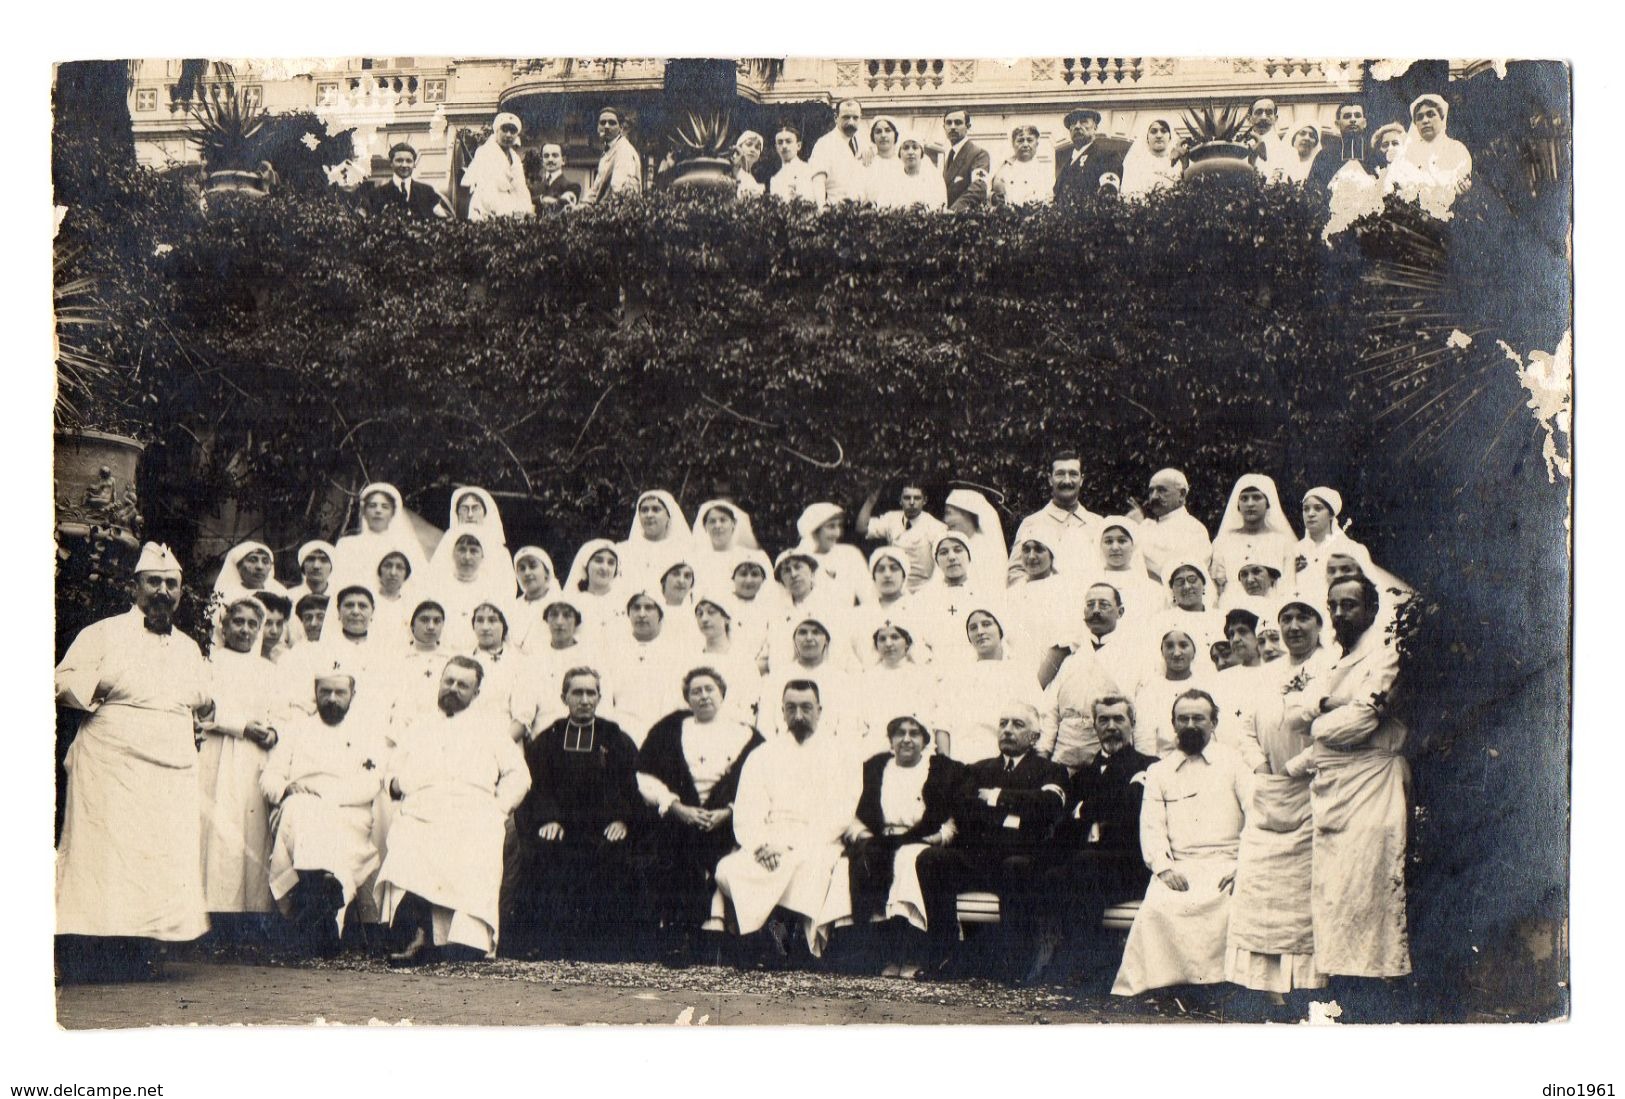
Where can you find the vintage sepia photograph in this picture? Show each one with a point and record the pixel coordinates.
(811, 540)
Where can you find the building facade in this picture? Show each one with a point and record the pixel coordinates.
(428, 100)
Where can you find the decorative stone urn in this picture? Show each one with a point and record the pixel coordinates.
(94, 488)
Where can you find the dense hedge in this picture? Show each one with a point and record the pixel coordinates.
(289, 345)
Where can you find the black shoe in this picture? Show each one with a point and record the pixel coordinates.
(415, 953)
(458, 952)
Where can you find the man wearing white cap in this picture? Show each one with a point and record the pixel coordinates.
(127, 867)
(496, 176)
(1171, 534)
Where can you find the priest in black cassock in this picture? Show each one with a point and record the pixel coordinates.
(579, 878)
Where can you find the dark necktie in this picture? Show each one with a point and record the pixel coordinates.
(1009, 766)
(406, 193)
(854, 143)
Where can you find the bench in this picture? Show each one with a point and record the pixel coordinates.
(983, 907)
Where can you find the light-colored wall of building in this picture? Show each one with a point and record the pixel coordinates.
(424, 99)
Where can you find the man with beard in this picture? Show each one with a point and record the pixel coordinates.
(455, 776)
(1190, 828)
(323, 778)
(1100, 839)
(1069, 529)
(836, 163)
(1171, 534)
(1359, 796)
(575, 828)
(128, 873)
(1007, 807)
(795, 799)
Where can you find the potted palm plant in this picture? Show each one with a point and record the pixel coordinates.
(702, 155)
(1218, 145)
(94, 471)
(230, 139)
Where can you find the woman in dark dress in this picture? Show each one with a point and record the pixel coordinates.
(906, 805)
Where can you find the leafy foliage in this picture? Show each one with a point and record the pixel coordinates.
(282, 347)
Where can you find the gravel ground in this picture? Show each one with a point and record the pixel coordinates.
(226, 989)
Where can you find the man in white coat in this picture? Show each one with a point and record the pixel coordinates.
(1070, 530)
(1359, 797)
(127, 869)
(324, 778)
(797, 794)
(1190, 833)
(455, 776)
(1172, 534)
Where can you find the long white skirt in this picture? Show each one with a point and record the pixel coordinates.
(801, 883)
(128, 861)
(1272, 940)
(1178, 938)
(453, 860)
(312, 835)
(236, 825)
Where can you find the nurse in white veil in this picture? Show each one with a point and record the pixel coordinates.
(1255, 526)
(472, 506)
(969, 513)
(659, 538)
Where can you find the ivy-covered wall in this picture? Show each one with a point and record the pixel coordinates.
(281, 347)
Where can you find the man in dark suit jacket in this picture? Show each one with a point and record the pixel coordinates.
(1351, 126)
(1099, 842)
(966, 167)
(402, 191)
(551, 190)
(1007, 809)
(1079, 177)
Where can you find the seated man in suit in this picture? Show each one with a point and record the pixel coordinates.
(1079, 177)
(403, 192)
(966, 167)
(1007, 807)
(1099, 842)
(552, 191)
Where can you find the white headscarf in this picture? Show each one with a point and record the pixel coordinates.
(229, 584)
(1143, 170)
(1294, 169)
(552, 573)
(358, 554)
(744, 532)
(494, 583)
(677, 529)
(1438, 165)
(990, 553)
(577, 583)
(813, 517)
(490, 526)
(1274, 519)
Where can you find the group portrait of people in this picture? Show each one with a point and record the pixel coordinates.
(692, 744)
(881, 161)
